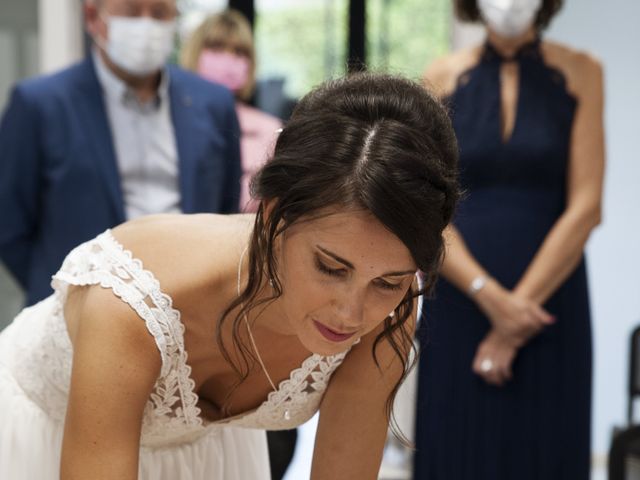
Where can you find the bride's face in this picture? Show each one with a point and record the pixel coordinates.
(342, 274)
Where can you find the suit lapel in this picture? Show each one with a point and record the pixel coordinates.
(94, 117)
(181, 116)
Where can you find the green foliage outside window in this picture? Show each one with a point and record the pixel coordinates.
(404, 36)
(304, 42)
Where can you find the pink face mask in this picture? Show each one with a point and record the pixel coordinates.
(229, 69)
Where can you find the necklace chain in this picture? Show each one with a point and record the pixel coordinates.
(246, 321)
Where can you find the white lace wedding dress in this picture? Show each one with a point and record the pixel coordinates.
(176, 442)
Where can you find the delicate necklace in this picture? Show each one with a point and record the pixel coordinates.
(287, 415)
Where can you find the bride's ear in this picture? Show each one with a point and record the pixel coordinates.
(267, 208)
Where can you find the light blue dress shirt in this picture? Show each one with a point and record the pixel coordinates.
(144, 144)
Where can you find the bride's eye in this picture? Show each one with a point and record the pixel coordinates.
(389, 286)
(334, 272)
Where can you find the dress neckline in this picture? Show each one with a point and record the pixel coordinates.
(528, 50)
(275, 396)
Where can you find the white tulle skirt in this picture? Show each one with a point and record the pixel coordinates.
(30, 444)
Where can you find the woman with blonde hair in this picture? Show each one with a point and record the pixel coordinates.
(221, 50)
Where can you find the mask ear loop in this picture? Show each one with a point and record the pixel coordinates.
(101, 42)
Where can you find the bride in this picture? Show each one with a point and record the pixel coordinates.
(172, 342)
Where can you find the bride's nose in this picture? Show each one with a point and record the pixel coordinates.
(349, 310)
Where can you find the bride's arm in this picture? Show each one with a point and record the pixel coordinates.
(353, 423)
(115, 365)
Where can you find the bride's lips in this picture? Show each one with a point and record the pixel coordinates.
(332, 335)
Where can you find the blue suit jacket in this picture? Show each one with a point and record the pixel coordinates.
(59, 180)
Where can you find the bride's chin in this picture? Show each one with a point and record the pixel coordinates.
(318, 345)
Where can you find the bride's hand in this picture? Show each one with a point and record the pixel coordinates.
(512, 316)
(494, 358)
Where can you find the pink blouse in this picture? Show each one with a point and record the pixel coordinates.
(259, 134)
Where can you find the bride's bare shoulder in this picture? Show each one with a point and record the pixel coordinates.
(177, 232)
(194, 257)
(188, 254)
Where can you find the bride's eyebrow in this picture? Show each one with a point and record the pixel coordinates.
(348, 264)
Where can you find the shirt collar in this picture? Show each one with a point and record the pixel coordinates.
(118, 90)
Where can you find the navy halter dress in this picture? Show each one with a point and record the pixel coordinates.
(537, 427)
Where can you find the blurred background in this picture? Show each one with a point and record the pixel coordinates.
(302, 42)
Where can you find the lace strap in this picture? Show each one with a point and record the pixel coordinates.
(103, 261)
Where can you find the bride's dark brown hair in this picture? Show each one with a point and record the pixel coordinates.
(374, 142)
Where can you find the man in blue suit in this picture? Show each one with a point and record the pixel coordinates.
(114, 137)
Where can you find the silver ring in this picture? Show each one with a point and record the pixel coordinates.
(486, 365)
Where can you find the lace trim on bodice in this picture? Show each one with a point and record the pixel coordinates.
(105, 262)
(297, 398)
(172, 413)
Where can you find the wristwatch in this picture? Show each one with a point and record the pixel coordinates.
(477, 284)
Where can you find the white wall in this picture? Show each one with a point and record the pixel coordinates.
(610, 31)
(18, 35)
(60, 23)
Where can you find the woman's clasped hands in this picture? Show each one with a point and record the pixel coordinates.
(515, 319)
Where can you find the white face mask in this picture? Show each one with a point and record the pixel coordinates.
(509, 18)
(139, 45)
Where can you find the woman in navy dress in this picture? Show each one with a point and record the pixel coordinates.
(505, 371)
